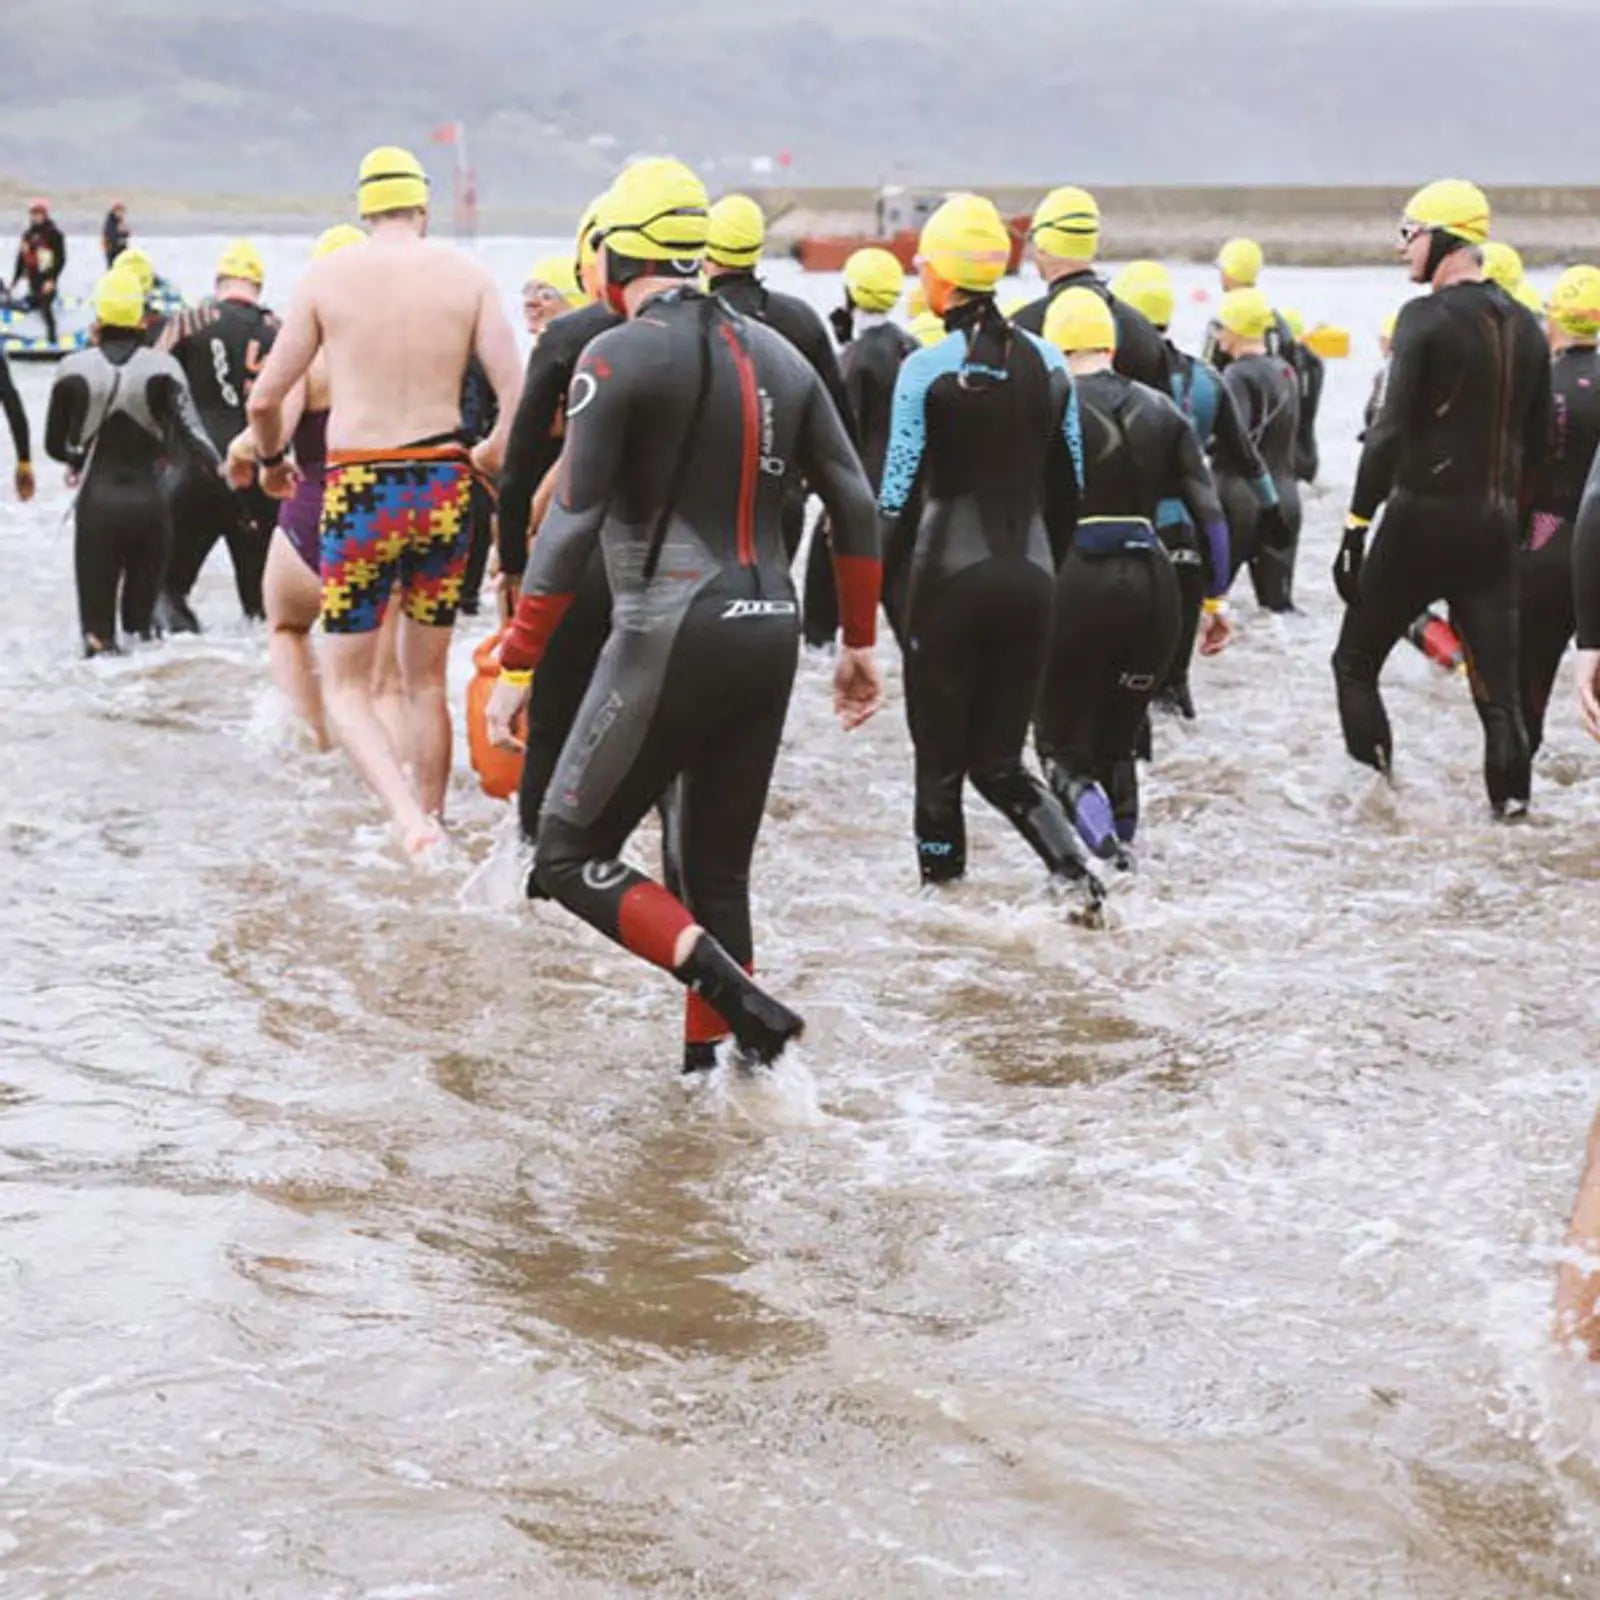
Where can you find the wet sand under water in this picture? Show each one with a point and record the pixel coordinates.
(358, 1240)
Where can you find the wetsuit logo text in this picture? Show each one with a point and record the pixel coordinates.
(736, 609)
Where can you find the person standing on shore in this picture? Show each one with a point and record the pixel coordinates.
(399, 319)
(114, 233)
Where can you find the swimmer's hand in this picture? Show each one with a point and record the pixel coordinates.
(1216, 633)
(282, 480)
(24, 480)
(857, 687)
(1589, 691)
(239, 468)
(72, 477)
(487, 458)
(506, 703)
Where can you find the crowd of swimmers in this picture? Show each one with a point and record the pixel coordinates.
(1049, 504)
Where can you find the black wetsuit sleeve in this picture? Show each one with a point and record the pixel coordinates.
(58, 245)
(184, 433)
(16, 415)
(531, 449)
(1234, 451)
(1538, 443)
(820, 353)
(1380, 453)
(1311, 372)
(1193, 483)
(1063, 494)
(591, 465)
(63, 423)
(1586, 564)
(830, 465)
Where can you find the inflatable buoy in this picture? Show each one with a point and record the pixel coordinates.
(23, 336)
(1332, 344)
(499, 771)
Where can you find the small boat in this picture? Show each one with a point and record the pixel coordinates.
(23, 335)
(900, 217)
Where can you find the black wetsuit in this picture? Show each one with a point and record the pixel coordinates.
(686, 430)
(1266, 392)
(983, 424)
(41, 259)
(1141, 353)
(1208, 403)
(113, 236)
(480, 411)
(803, 327)
(534, 444)
(870, 364)
(1465, 424)
(221, 346)
(16, 414)
(1545, 613)
(1586, 563)
(1118, 616)
(115, 411)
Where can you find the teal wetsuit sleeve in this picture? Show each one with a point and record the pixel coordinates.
(908, 429)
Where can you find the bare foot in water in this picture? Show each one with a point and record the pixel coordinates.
(420, 841)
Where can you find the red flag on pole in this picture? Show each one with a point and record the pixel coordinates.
(446, 133)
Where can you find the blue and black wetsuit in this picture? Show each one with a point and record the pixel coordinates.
(1545, 606)
(1205, 400)
(1464, 428)
(1266, 392)
(870, 364)
(983, 424)
(116, 411)
(1118, 611)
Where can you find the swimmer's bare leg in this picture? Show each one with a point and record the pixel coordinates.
(388, 688)
(1578, 1286)
(348, 660)
(293, 596)
(424, 660)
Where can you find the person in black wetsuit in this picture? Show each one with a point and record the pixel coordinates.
(1066, 239)
(1118, 610)
(1465, 425)
(41, 259)
(1266, 393)
(532, 448)
(480, 411)
(1546, 617)
(114, 233)
(1206, 401)
(981, 422)
(17, 421)
(1586, 600)
(115, 410)
(874, 348)
(685, 427)
(221, 346)
(1287, 339)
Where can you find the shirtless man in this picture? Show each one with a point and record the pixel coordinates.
(398, 321)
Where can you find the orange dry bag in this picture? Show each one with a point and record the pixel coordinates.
(499, 771)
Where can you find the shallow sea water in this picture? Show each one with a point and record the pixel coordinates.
(357, 1238)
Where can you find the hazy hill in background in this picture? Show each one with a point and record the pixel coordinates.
(225, 96)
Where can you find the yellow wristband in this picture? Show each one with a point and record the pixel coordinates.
(1214, 605)
(1353, 522)
(517, 680)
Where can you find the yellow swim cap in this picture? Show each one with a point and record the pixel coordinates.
(1387, 326)
(916, 301)
(736, 233)
(1067, 225)
(1245, 312)
(1575, 302)
(339, 237)
(391, 179)
(966, 243)
(1147, 287)
(1502, 264)
(926, 328)
(1296, 323)
(242, 260)
(119, 300)
(139, 264)
(1240, 261)
(1078, 319)
(556, 272)
(1453, 206)
(657, 210)
(874, 279)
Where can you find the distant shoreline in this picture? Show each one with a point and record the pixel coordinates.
(1298, 226)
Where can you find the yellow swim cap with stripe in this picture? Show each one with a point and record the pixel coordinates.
(556, 272)
(874, 279)
(1067, 225)
(391, 179)
(1453, 206)
(657, 210)
(966, 243)
(1575, 302)
(119, 300)
(738, 232)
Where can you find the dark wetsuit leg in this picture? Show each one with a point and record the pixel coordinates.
(977, 645)
(711, 712)
(120, 547)
(480, 513)
(1118, 621)
(821, 612)
(1431, 548)
(1188, 566)
(560, 685)
(1546, 622)
(249, 538)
